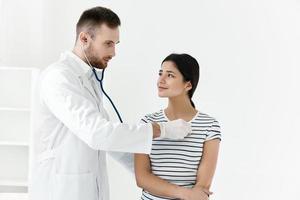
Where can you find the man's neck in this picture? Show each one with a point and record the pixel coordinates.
(78, 52)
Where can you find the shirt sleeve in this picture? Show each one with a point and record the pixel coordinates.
(65, 97)
(145, 120)
(214, 131)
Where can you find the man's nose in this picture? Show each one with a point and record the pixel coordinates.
(113, 53)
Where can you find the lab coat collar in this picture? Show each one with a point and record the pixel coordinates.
(83, 68)
(84, 71)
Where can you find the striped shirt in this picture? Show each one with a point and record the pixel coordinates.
(177, 161)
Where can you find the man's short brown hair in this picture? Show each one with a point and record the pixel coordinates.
(96, 17)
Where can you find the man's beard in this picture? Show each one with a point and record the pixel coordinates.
(94, 61)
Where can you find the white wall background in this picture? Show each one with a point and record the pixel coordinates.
(249, 53)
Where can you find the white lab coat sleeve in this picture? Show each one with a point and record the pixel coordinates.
(127, 159)
(63, 93)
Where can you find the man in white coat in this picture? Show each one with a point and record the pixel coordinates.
(72, 128)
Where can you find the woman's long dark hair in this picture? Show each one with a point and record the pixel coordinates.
(189, 68)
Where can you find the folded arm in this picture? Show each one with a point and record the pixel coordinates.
(207, 165)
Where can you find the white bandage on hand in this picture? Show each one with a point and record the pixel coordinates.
(176, 129)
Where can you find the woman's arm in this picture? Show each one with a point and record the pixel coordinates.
(208, 164)
(147, 180)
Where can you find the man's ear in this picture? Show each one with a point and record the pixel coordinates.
(84, 38)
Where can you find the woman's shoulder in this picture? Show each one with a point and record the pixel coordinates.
(157, 116)
(201, 116)
(211, 124)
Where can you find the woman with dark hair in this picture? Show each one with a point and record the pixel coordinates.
(179, 169)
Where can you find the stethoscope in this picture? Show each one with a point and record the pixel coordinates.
(101, 86)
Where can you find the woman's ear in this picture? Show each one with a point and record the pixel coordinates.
(188, 86)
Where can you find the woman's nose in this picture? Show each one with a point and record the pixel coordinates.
(161, 79)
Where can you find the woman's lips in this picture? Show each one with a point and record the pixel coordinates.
(162, 88)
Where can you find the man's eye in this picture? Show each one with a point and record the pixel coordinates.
(171, 75)
(159, 73)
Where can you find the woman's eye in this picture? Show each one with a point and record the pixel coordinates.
(170, 75)
(159, 73)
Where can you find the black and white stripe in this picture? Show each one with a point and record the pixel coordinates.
(177, 161)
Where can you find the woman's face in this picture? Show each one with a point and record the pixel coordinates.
(170, 82)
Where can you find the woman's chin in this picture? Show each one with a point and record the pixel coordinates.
(162, 95)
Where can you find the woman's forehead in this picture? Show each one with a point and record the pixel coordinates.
(169, 66)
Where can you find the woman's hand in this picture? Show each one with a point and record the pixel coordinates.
(196, 193)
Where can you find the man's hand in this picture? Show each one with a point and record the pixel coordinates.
(176, 129)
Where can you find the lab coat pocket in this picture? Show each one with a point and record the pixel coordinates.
(75, 187)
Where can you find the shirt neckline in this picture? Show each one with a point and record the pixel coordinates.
(165, 116)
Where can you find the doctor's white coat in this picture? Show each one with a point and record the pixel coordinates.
(73, 132)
